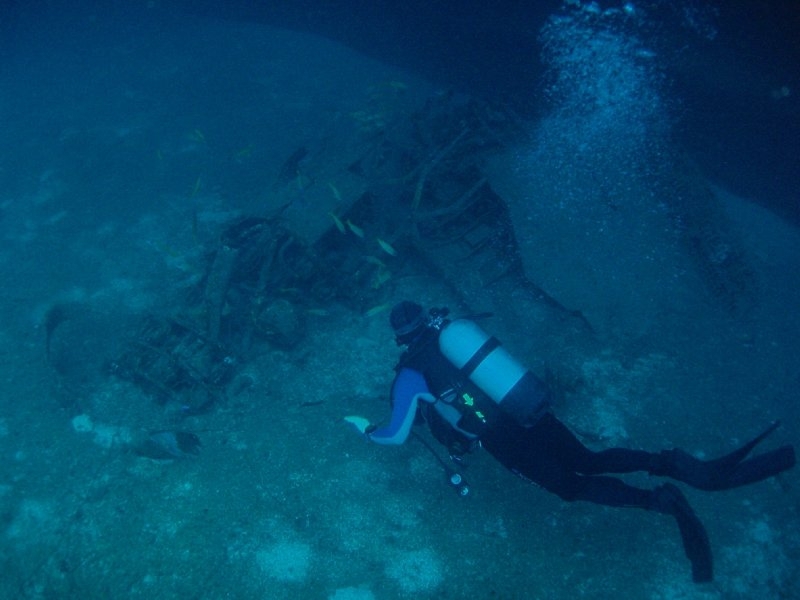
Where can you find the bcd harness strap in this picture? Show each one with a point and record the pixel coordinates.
(485, 350)
(464, 402)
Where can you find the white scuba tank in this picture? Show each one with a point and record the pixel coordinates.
(489, 366)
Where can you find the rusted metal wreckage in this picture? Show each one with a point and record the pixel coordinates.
(352, 217)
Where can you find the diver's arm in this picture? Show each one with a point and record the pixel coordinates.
(408, 389)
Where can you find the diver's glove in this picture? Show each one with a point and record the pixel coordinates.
(360, 423)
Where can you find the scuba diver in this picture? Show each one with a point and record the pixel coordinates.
(471, 392)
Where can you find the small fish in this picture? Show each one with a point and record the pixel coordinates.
(166, 249)
(376, 310)
(198, 136)
(318, 312)
(381, 277)
(309, 403)
(338, 222)
(196, 187)
(303, 182)
(165, 445)
(335, 191)
(355, 229)
(374, 260)
(195, 226)
(54, 317)
(387, 247)
(245, 152)
(291, 168)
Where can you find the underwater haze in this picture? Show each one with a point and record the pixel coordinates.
(207, 212)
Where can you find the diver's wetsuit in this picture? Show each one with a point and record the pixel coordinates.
(550, 455)
(543, 450)
(547, 454)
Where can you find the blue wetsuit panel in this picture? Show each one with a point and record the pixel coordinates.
(408, 389)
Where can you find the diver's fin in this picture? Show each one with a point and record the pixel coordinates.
(737, 456)
(730, 471)
(669, 500)
(760, 467)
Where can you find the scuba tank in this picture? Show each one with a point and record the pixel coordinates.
(482, 359)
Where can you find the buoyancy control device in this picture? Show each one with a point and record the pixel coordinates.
(482, 359)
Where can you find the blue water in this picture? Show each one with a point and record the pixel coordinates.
(652, 187)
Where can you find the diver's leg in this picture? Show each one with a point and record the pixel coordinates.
(666, 499)
(538, 459)
(577, 457)
(730, 471)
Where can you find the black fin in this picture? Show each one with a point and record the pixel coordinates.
(730, 461)
(730, 471)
